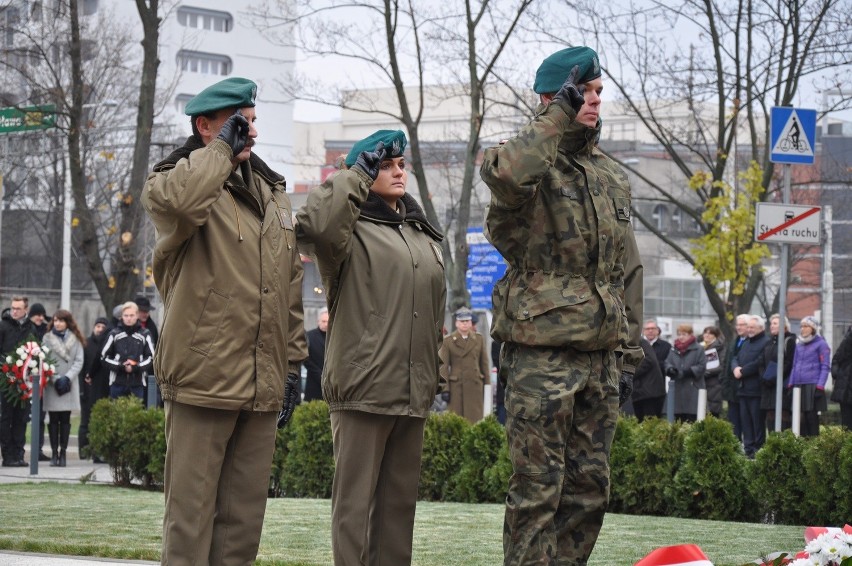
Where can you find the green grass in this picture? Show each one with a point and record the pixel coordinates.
(98, 520)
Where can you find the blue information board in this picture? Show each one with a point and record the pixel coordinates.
(485, 266)
(792, 135)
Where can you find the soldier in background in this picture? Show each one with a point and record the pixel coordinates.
(465, 367)
(568, 312)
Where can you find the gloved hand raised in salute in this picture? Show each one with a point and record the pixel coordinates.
(570, 93)
(370, 161)
(234, 132)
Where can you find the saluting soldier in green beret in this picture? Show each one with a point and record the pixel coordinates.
(568, 312)
(380, 261)
(229, 273)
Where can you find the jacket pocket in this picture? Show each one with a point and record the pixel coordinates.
(210, 322)
(369, 342)
(523, 405)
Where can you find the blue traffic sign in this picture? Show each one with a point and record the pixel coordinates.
(485, 266)
(792, 135)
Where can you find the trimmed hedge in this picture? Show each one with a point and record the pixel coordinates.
(689, 470)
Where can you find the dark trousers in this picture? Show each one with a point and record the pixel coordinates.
(647, 408)
(846, 415)
(754, 431)
(116, 391)
(734, 418)
(13, 429)
(810, 423)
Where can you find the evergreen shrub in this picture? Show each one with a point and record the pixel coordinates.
(710, 483)
(442, 455)
(480, 449)
(820, 461)
(309, 462)
(775, 479)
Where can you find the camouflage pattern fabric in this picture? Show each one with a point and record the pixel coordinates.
(561, 408)
(560, 215)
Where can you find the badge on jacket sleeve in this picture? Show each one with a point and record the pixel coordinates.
(439, 254)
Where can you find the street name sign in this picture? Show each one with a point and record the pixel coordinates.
(787, 223)
(27, 118)
(792, 135)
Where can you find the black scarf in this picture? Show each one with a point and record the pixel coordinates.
(375, 209)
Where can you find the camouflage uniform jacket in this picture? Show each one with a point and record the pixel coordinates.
(560, 216)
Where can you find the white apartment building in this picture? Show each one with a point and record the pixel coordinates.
(205, 41)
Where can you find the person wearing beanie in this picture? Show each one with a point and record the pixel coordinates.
(94, 382)
(232, 336)
(568, 311)
(381, 262)
(811, 366)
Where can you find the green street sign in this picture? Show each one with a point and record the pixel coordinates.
(27, 118)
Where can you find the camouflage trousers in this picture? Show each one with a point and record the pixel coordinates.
(561, 407)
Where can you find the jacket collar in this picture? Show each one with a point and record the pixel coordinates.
(258, 166)
(375, 209)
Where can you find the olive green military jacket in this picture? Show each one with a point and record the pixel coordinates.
(560, 216)
(383, 274)
(230, 276)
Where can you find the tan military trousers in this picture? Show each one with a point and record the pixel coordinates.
(374, 493)
(216, 484)
(561, 410)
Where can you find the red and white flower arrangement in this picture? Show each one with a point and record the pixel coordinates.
(823, 547)
(19, 368)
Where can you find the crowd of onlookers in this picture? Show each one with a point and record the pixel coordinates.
(115, 360)
(694, 376)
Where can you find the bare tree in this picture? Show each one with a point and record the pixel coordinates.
(410, 47)
(726, 64)
(85, 67)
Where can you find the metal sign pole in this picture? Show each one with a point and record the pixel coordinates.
(35, 432)
(782, 313)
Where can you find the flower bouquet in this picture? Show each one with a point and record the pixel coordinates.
(29, 359)
(823, 547)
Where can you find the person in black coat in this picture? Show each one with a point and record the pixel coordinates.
(651, 332)
(316, 358)
(91, 390)
(769, 373)
(747, 372)
(841, 372)
(729, 383)
(15, 327)
(649, 385)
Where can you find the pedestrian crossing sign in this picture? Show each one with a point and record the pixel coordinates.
(792, 135)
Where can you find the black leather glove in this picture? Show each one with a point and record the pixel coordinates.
(234, 132)
(291, 398)
(570, 93)
(687, 373)
(625, 387)
(671, 372)
(370, 161)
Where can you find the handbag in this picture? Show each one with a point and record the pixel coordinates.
(62, 384)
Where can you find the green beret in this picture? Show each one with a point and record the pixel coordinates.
(555, 69)
(394, 140)
(230, 93)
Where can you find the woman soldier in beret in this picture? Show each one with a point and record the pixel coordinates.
(380, 261)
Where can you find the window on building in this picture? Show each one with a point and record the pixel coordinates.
(660, 216)
(90, 7)
(672, 297)
(204, 63)
(8, 24)
(200, 18)
(181, 100)
(677, 220)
